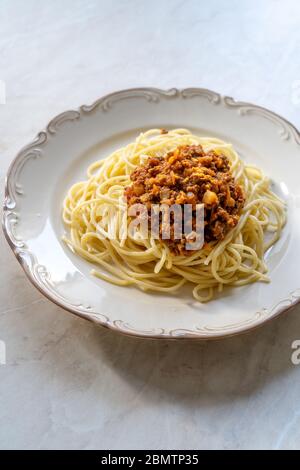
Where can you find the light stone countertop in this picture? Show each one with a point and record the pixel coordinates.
(67, 383)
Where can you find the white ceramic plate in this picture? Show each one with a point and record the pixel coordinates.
(41, 173)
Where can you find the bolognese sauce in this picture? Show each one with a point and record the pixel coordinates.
(189, 175)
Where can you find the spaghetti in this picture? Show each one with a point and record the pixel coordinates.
(95, 213)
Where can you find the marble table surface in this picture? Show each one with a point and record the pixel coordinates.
(66, 383)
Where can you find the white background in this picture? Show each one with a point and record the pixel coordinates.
(68, 384)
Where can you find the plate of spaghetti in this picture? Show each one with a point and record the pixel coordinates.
(162, 214)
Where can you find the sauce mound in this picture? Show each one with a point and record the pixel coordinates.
(189, 175)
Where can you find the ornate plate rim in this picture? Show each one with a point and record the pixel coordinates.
(287, 130)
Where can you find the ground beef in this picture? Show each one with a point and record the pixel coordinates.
(189, 175)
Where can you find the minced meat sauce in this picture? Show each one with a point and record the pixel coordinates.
(189, 175)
